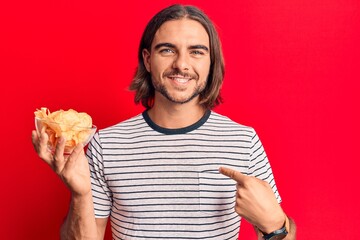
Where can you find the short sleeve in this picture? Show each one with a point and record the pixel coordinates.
(101, 193)
(259, 164)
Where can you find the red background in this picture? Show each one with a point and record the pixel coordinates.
(292, 73)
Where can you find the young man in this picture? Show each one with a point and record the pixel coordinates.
(178, 170)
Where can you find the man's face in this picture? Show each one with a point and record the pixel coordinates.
(179, 60)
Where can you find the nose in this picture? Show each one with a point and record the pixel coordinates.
(181, 62)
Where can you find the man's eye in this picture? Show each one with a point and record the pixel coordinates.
(196, 52)
(166, 50)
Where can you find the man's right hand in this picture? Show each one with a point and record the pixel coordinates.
(73, 169)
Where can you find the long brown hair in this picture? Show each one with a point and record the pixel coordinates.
(141, 83)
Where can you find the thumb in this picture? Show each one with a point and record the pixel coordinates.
(231, 173)
(77, 151)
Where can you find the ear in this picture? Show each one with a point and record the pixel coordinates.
(146, 57)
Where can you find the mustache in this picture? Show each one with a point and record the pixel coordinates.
(180, 73)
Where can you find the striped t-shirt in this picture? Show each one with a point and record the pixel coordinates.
(158, 183)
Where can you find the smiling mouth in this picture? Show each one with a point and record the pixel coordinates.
(180, 79)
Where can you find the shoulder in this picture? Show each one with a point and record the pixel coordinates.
(131, 123)
(119, 133)
(225, 122)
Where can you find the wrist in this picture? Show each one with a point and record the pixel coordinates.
(277, 234)
(274, 225)
(80, 197)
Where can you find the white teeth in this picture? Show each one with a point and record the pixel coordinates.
(181, 80)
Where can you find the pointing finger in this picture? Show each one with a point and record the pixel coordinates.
(231, 173)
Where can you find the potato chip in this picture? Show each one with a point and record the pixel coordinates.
(75, 127)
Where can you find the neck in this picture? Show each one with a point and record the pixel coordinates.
(174, 115)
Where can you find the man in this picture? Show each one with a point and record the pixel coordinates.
(178, 170)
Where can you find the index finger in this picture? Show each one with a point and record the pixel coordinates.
(233, 174)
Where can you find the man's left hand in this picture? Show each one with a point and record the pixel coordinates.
(256, 202)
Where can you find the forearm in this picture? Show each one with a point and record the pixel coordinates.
(80, 222)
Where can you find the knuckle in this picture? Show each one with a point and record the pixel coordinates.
(76, 151)
(266, 184)
(238, 210)
(246, 182)
(41, 155)
(251, 180)
(57, 159)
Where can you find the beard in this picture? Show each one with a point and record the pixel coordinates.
(161, 88)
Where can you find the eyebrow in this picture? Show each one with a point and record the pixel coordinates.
(199, 46)
(170, 45)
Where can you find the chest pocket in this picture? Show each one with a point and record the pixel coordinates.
(217, 192)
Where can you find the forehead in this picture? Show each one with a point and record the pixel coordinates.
(181, 32)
